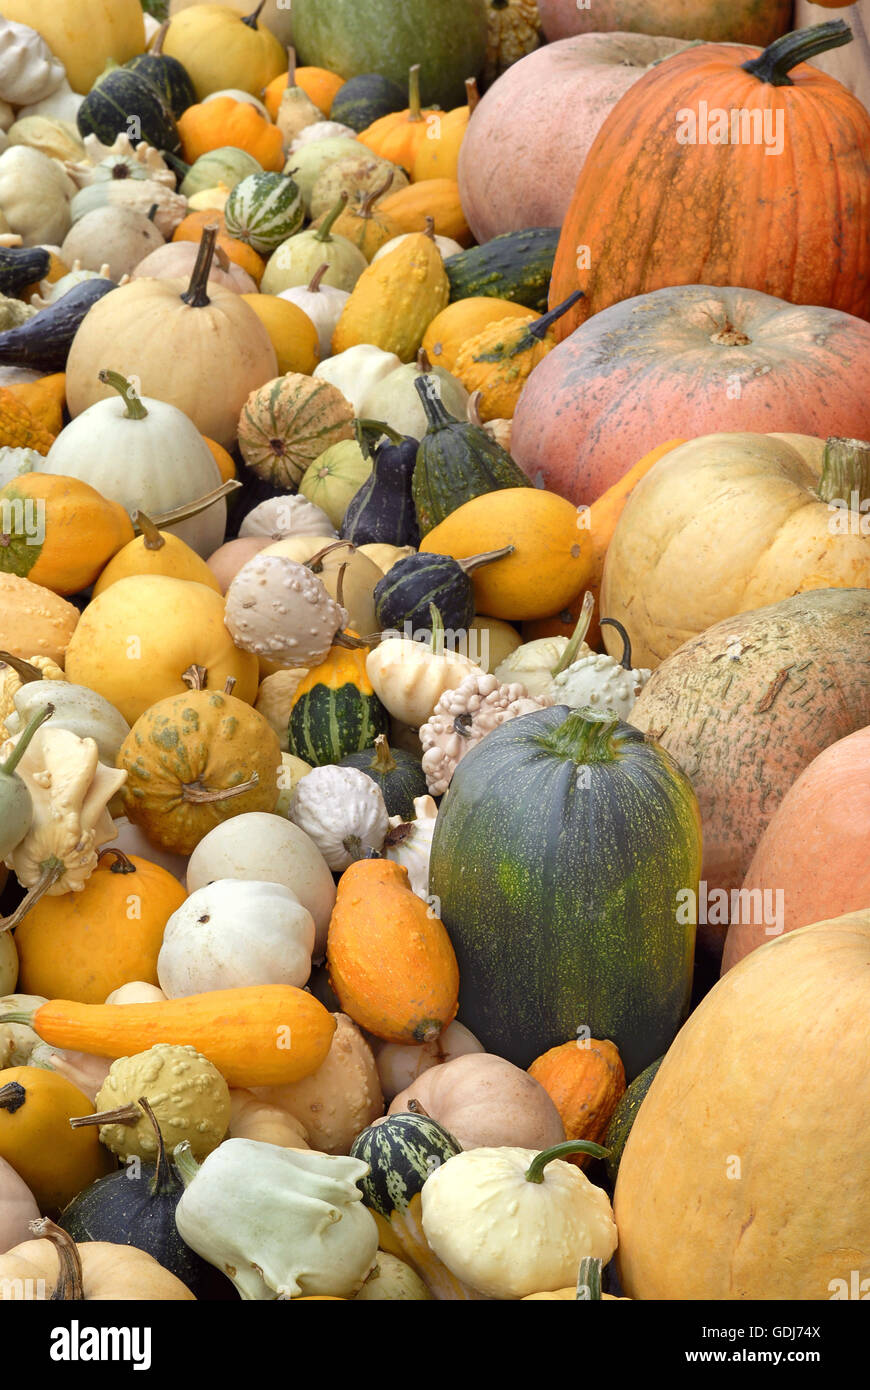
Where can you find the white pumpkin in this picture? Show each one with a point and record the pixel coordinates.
(357, 371)
(76, 708)
(14, 462)
(116, 237)
(62, 104)
(409, 843)
(321, 130)
(34, 195)
(410, 677)
(136, 991)
(233, 933)
(343, 811)
(157, 464)
(260, 846)
(400, 1065)
(29, 70)
(446, 245)
(394, 399)
(323, 304)
(289, 515)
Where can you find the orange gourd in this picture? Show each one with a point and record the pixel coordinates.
(464, 319)
(585, 1080)
(391, 962)
(435, 198)
(399, 136)
(224, 121)
(662, 202)
(191, 228)
(44, 399)
(56, 1162)
(60, 531)
(438, 154)
(222, 457)
(19, 427)
(85, 945)
(319, 85)
(260, 1035)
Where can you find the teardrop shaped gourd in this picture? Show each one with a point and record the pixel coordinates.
(382, 511)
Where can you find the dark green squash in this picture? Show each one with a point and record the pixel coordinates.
(624, 1117)
(44, 341)
(335, 711)
(402, 1151)
(405, 595)
(137, 1207)
(364, 99)
(455, 461)
(558, 854)
(170, 77)
(399, 775)
(26, 265)
(516, 266)
(126, 102)
(382, 511)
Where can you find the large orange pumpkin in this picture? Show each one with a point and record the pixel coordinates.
(680, 187)
(687, 361)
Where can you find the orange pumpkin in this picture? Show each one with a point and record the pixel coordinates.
(663, 200)
(318, 84)
(224, 121)
(437, 155)
(585, 1080)
(399, 136)
(222, 458)
(191, 227)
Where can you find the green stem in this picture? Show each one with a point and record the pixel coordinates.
(182, 1157)
(578, 636)
(486, 557)
(414, 109)
(378, 427)
(37, 720)
(589, 1280)
(585, 736)
(428, 388)
(777, 60)
(322, 233)
(535, 1170)
(437, 639)
(845, 473)
(530, 333)
(128, 393)
(539, 328)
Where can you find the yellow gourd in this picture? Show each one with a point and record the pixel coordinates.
(294, 336)
(435, 198)
(55, 1161)
(155, 552)
(60, 531)
(438, 154)
(222, 49)
(395, 300)
(456, 325)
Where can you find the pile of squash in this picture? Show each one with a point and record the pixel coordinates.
(434, 614)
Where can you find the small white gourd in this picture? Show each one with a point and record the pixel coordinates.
(356, 372)
(597, 680)
(409, 843)
(343, 811)
(34, 195)
(322, 303)
(279, 609)
(289, 515)
(29, 71)
(410, 677)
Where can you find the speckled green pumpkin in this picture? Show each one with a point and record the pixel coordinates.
(559, 851)
(624, 1117)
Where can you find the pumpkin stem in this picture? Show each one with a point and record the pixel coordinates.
(314, 282)
(625, 659)
(125, 1115)
(186, 1164)
(428, 388)
(194, 508)
(70, 1285)
(128, 393)
(199, 794)
(578, 636)
(414, 112)
(52, 870)
(540, 326)
(429, 231)
(589, 1280)
(339, 585)
(315, 564)
(23, 669)
(195, 677)
(728, 336)
(424, 364)
(462, 724)
(12, 1097)
(123, 863)
(353, 845)
(379, 427)
(486, 557)
(585, 736)
(845, 477)
(383, 762)
(472, 94)
(251, 19)
(322, 233)
(417, 1109)
(291, 66)
(347, 639)
(368, 201)
(152, 212)
(535, 1170)
(229, 685)
(153, 538)
(157, 46)
(473, 409)
(776, 61)
(436, 641)
(196, 294)
(39, 718)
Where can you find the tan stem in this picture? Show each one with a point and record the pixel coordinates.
(314, 564)
(190, 509)
(195, 677)
(200, 794)
(729, 336)
(291, 66)
(229, 685)
(53, 870)
(423, 363)
(153, 538)
(314, 283)
(578, 636)
(416, 1109)
(339, 585)
(429, 228)
(368, 202)
(485, 558)
(472, 410)
(196, 294)
(70, 1279)
(472, 94)
(124, 1115)
(157, 46)
(23, 669)
(415, 113)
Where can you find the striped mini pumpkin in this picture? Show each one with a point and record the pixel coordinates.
(288, 423)
(335, 710)
(264, 210)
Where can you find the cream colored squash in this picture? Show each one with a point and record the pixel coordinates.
(361, 575)
(34, 195)
(83, 34)
(29, 70)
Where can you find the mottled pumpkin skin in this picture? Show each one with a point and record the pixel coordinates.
(585, 1080)
(656, 211)
(717, 21)
(202, 740)
(675, 363)
(717, 1195)
(745, 707)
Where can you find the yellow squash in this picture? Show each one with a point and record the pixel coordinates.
(395, 300)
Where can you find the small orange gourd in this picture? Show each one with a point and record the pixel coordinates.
(210, 125)
(463, 320)
(391, 962)
(191, 229)
(435, 198)
(19, 427)
(438, 154)
(56, 1162)
(44, 399)
(59, 532)
(585, 1080)
(398, 136)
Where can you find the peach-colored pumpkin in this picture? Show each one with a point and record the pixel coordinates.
(687, 360)
(717, 21)
(815, 849)
(176, 260)
(528, 138)
(226, 562)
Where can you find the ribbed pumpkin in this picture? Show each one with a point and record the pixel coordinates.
(399, 135)
(210, 125)
(84, 945)
(399, 775)
(59, 532)
(463, 321)
(659, 203)
(335, 711)
(437, 156)
(585, 1080)
(435, 198)
(378, 918)
(498, 361)
(395, 300)
(288, 423)
(263, 210)
(194, 760)
(221, 48)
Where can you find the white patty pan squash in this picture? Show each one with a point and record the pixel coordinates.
(29, 71)
(343, 811)
(510, 1222)
(76, 708)
(35, 196)
(280, 1223)
(234, 933)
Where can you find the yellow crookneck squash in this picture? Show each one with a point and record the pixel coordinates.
(395, 300)
(59, 532)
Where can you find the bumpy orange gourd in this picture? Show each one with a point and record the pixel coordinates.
(391, 962)
(435, 198)
(60, 531)
(584, 1079)
(499, 359)
(44, 398)
(85, 945)
(463, 320)
(55, 1161)
(19, 427)
(212, 124)
(398, 136)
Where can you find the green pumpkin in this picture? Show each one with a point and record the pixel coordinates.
(558, 855)
(351, 37)
(124, 102)
(624, 1117)
(226, 165)
(399, 775)
(365, 99)
(455, 462)
(170, 77)
(335, 477)
(515, 266)
(335, 711)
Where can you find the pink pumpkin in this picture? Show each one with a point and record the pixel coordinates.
(718, 21)
(682, 362)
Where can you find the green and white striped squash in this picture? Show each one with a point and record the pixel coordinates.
(227, 165)
(335, 710)
(288, 423)
(264, 210)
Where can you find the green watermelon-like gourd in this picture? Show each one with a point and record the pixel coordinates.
(365, 99)
(125, 102)
(562, 855)
(335, 711)
(402, 1151)
(168, 75)
(624, 1117)
(264, 210)
(405, 595)
(516, 266)
(399, 775)
(455, 461)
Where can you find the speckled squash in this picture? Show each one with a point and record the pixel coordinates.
(459, 322)
(395, 300)
(288, 423)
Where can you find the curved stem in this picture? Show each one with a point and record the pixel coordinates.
(314, 283)
(70, 1279)
(369, 200)
(124, 1115)
(486, 557)
(845, 476)
(473, 410)
(417, 1109)
(429, 231)
(12, 1097)
(157, 46)
(195, 677)
(123, 863)
(229, 685)
(539, 328)
(322, 233)
(625, 659)
(436, 642)
(578, 636)
(414, 112)
(472, 94)
(164, 1180)
(186, 1164)
(777, 60)
(529, 334)
(23, 669)
(52, 870)
(346, 639)
(153, 538)
(128, 393)
(196, 294)
(339, 585)
(199, 794)
(428, 388)
(423, 362)
(315, 565)
(36, 722)
(164, 519)
(535, 1170)
(251, 19)
(379, 427)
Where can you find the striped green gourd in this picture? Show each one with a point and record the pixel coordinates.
(405, 595)
(335, 711)
(288, 423)
(226, 165)
(123, 102)
(264, 210)
(399, 775)
(623, 1118)
(516, 266)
